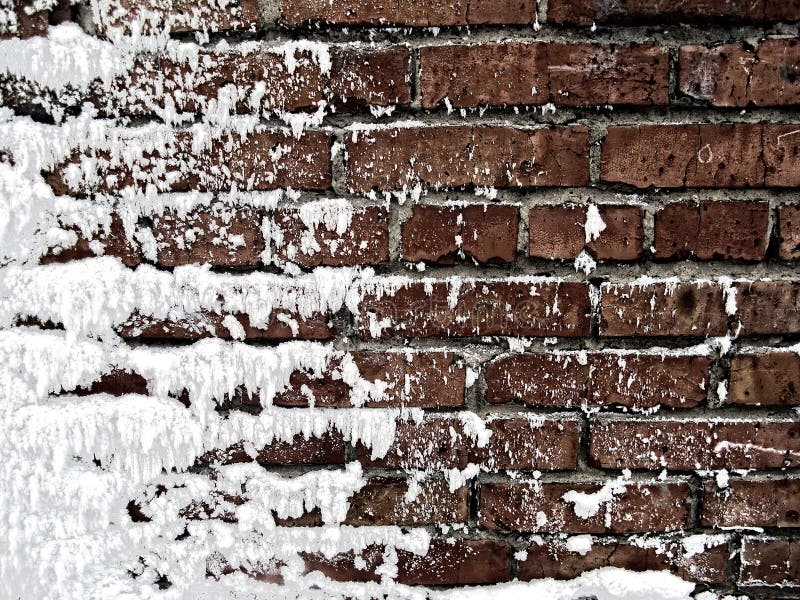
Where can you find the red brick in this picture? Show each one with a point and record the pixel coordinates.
(225, 161)
(789, 231)
(484, 233)
(207, 324)
(365, 240)
(768, 307)
(602, 379)
(116, 383)
(663, 309)
(712, 230)
(641, 507)
(382, 502)
(429, 379)
(459, 308)
(327, 449)
(648, 380)
(356, 78)
(752, 503)
(553, 559)
(515, 73)
(782, 155)
(27, 25)
(771, 379)
(114, 240)
(730, 75)
(155, 16)
(229, 238)
(451, 156)
(559, 232)
(447, 562)
(409, 12)
(771, 561)
(643, 12)
(687, 445)
(515, 443)
(702, 156)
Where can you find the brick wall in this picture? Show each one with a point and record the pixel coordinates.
(567, 233)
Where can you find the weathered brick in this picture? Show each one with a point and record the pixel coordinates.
(484, 233)
(663, 309)
(731, 75)
(515, 443)
(789, 231)
(515, 73)
(642, 12)
(382, 502)
(560, 232)
(114, 242)
(554, 559)
(752, 503)
(20, 23)
(409, 12)
(431, 379)
(771, 379)
(115, 383)
(229, 238)
(264, 80)
(359, 236)
(599, 379)
(712, 230)
(451, 156)
(686, 445)
(542, 508)
(282, 325)
(772, 561)
(151, 17)
(703, 156)
(458, 308)
(447, 562)
(262, 160)
(326, 449)
(768, 307)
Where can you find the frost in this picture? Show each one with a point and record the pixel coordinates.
(587, 505)
(594, 225)
(584, 262)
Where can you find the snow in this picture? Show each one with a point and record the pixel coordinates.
(594, 225)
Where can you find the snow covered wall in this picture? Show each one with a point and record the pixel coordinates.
(399, 299)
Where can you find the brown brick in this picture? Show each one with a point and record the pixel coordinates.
(228, 238)
(459, 308)
(771, 379)
(768, 307)
(452, 156)
(559, 232)
(365, 240)
(752, 503)
(382, 502)
(415, 379)
(264, 81)
(409, 12)
(712, 230)
(447, 562)
(207, 324)
(553, 559)
(515, 443)
(643, 12)
(515, 73)
(789, 231)
(484, 233)
(771, 561)
(152, 17)
(114, 240)
(116, 383)
(27, 25)
(648, 380)
(687, 445)
(663, 309)
(730, 75)
(541, 508)
(222, 163)
(782, 155)
(599, 379)
(326, 449)
(702, 156)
